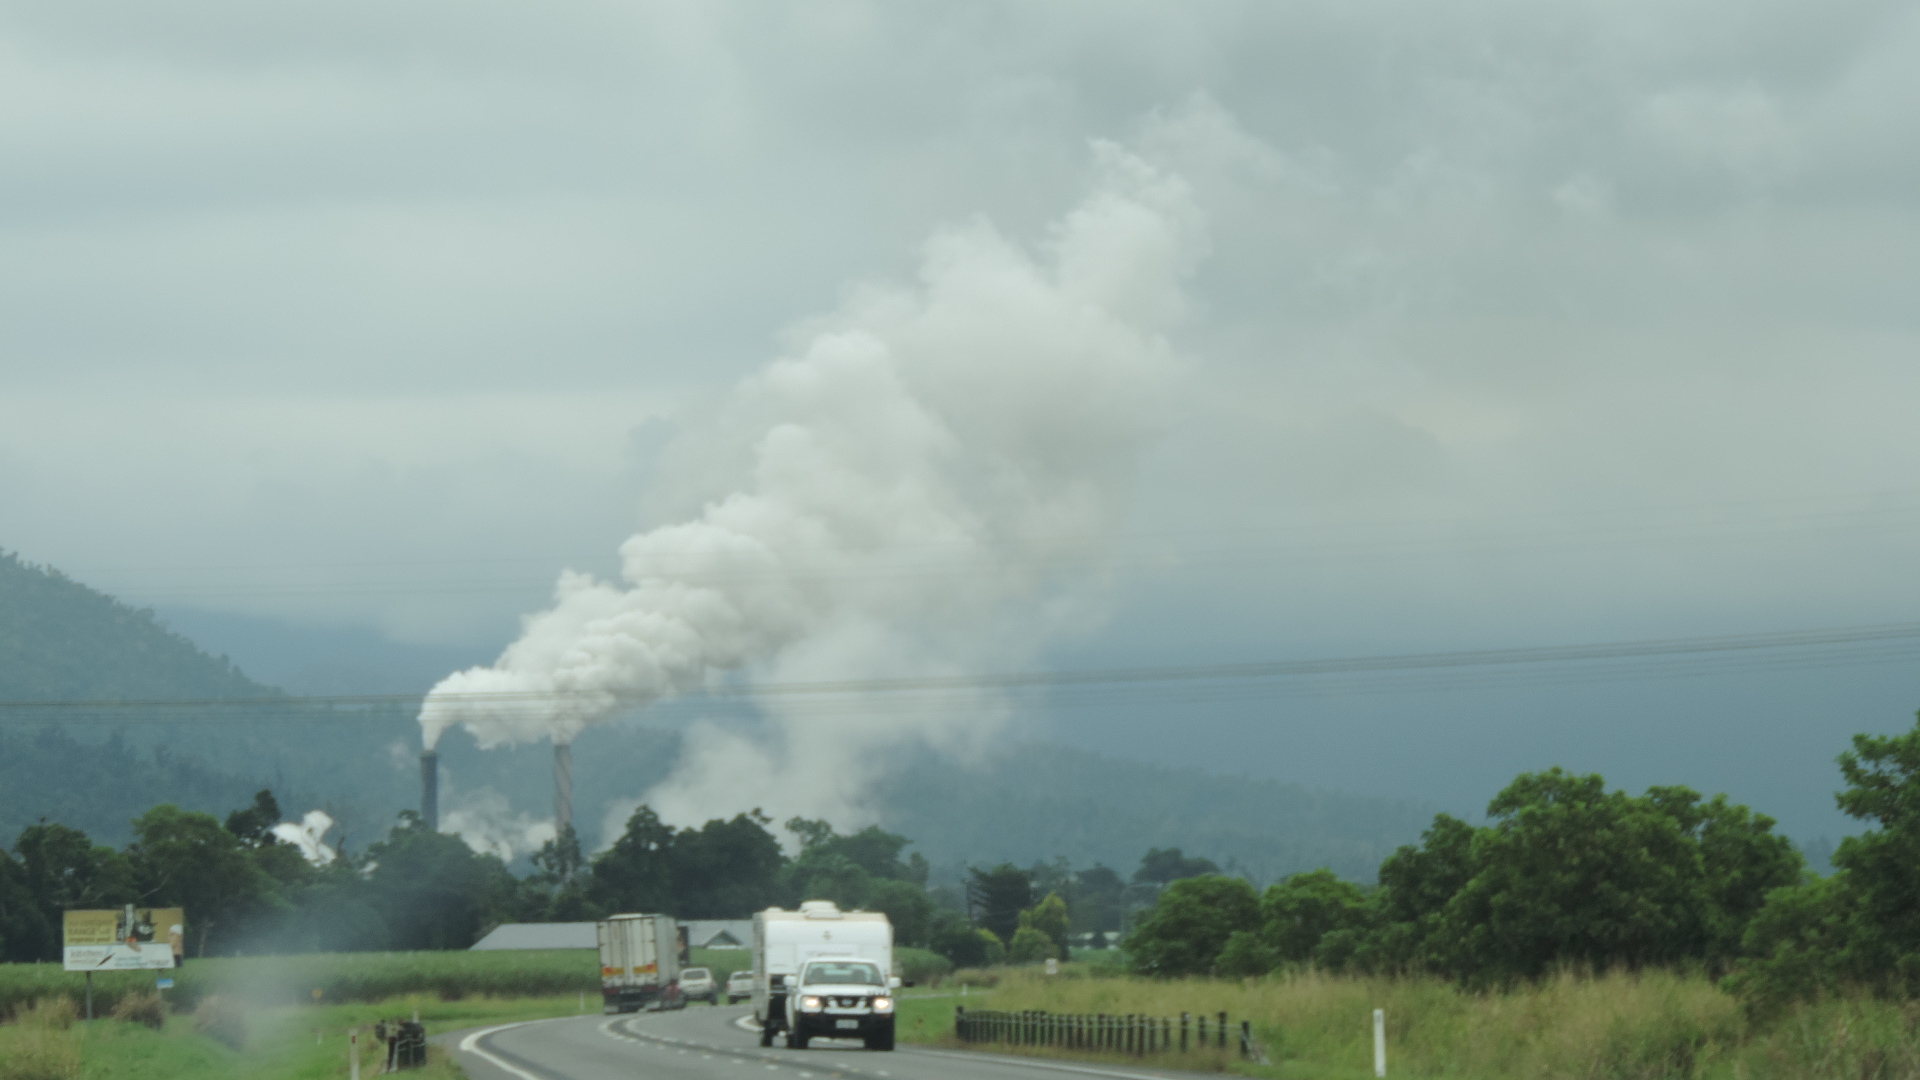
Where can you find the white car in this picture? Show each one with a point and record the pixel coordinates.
(840, 999)
(696, 984)
(740, 985)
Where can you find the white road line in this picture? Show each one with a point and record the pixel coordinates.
(471, 1045)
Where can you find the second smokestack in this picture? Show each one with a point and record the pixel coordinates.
(430, 790)
(562, 788)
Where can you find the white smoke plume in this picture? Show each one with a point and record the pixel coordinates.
(309, 835)
(489, 825)
(925, 470)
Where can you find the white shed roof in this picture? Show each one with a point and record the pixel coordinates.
(719, 933)
(534, 935)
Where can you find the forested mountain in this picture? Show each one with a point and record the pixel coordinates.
(60, 640)
(97, 768)
(99, 787)
(1035, 802)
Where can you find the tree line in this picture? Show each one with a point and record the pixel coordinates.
(245, 891)
(1567, 873)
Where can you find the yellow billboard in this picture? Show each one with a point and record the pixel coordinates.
(122, 939)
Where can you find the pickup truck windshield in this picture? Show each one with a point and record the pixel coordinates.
(842, 973)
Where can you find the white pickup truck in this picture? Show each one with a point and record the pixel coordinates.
(840, 999)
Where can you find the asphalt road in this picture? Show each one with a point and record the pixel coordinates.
(705, 1043)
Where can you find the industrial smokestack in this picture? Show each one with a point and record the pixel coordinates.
(562, 788)
(430, 789)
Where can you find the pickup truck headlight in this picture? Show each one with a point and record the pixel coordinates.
(809, 1004)
(882, 1005)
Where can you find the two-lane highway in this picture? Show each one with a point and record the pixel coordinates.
(704, 1043)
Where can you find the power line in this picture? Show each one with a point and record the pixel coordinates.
(1406, 672)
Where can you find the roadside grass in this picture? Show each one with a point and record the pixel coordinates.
(1651, 1025)
(282, 1043)
(923, 1020)
(340, 977)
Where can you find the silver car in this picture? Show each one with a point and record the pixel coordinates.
(696, 984)
(740, 985)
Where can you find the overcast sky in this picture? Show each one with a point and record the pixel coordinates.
(1521, 324)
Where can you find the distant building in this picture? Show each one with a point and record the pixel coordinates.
(719, 933)
(539, 935)
(701, 934)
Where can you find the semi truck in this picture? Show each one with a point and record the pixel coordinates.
(783, 944)
(640, 961)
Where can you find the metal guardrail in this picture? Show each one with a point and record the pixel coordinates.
(1128, 1033)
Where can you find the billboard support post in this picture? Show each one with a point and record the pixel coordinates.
(89, 995)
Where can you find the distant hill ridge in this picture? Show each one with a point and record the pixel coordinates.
(60, 640)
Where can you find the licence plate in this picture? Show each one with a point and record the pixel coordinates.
(847, 1023)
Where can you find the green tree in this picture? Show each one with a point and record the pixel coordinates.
(996, 897)
(1246, 953)
(635, 874)
(907, 906)
(24, 929)
(1861, 926)
(253, 825)
(872, 849)
(432, 890)
(1570, 872)
(1049, 920)
(61, 868)
(1030, 946)
(1163, 866)
(1296, 914)
(556, 891)
(1190, 924)
(187, 860)
(1416, 885)
(727, 868)
(1097, 903)
(1742, 860)
(953, 937)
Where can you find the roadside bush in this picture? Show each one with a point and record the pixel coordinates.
(1030, 946)
(40, 1053)
(223, 1020)
(145, 1009)
(51, 1014)
(1246, 954)
(920, 966)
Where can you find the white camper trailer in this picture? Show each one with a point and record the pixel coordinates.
(783, 941)
(640, 958)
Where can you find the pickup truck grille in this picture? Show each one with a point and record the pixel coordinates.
(848, 1002)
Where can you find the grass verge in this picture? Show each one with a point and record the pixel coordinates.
(339, 977)
(1652, 1025)
(278, 1043)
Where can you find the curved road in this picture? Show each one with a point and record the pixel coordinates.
(705, 1043)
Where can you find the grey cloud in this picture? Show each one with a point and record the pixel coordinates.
(1478, 261)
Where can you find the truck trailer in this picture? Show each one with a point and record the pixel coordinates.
(640, 960)
(783, 942)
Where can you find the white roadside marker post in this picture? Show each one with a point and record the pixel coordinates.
(1379, 1042)
(353, 1053)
